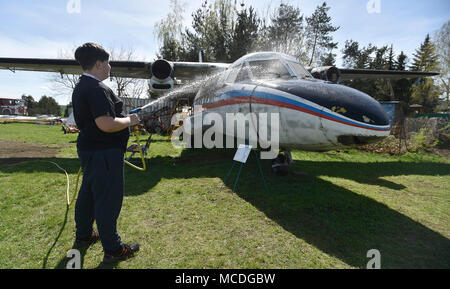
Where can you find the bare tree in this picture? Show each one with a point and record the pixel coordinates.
(63, 84)
(442, 42)
(131, 91)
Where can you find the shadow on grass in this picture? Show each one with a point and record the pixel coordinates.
(44, 264)
(337, 221)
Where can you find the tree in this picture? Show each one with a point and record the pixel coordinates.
(318, 31)
(425, 59)
(365, 59)
(223, 30)
(127, 88)
(402, 87)
(245, 35)
(368, 57)
(350, 53)
(356, 57)
(31, 104)
(213, 26)
(48, 105)
(380, 59)
(383, 60)
(328, 60)
(168, 31)
(286, 32)
(391, 58)
(401, 62)
(424, 91)
(63, 84)
(441, 41)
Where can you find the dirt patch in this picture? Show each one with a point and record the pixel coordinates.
(15, 152)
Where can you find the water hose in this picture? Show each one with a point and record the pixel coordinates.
(68, 184)
(141, 153)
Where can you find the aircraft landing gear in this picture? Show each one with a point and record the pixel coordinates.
(280, 165)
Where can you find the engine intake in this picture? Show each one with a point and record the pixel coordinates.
(327, 73)
(161, 75)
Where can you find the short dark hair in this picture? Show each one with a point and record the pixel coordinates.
(88, 54)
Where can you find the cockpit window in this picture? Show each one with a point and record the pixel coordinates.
(233, 74)
(299, 70)
(243, 75)
(268, 69)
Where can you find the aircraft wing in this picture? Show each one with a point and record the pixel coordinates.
(194, 70)
(348, 74)
(128, 69)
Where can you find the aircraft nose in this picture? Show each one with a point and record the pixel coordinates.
(355, 107)
(358, 106)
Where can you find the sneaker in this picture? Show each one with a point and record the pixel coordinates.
(127, 252)
(84, 243)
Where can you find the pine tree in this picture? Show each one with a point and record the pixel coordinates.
(285, 33)
(318, 31)
(223, 30)
(402, 87)
(424, 91)
(402, 60)
(391, 59)
(213, 26)
(245, 35)
(350, 53)
(425, 59)
(328, 60)
(380, 60)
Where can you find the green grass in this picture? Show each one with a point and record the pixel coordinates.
(348, 203)
(26, 132)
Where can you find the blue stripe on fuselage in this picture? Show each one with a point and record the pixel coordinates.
(266, 95)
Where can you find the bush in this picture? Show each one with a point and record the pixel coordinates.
(422, 140)
(418, 134)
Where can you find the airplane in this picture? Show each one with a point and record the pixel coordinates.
(316, 113)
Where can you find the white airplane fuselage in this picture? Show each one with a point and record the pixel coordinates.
(313, 114)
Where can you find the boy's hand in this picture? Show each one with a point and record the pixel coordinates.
(134, 119)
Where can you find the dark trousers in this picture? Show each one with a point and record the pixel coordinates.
(100, 196)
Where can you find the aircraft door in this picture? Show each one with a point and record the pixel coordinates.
(260, 122)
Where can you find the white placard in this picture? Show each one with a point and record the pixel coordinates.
(242, 153)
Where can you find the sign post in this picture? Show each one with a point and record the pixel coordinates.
(241, 157)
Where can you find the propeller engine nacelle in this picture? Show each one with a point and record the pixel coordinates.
(161, 72)
(327, 73)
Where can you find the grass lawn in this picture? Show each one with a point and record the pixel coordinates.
(348, 203)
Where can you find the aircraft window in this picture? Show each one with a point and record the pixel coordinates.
(233, 74)
(266, 69)
(243, 74)
(299, 70)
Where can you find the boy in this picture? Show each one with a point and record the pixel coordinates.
(101, 145)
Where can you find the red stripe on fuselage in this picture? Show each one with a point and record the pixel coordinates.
(246, 99)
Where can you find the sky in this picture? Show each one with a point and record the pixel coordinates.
(47, 28)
